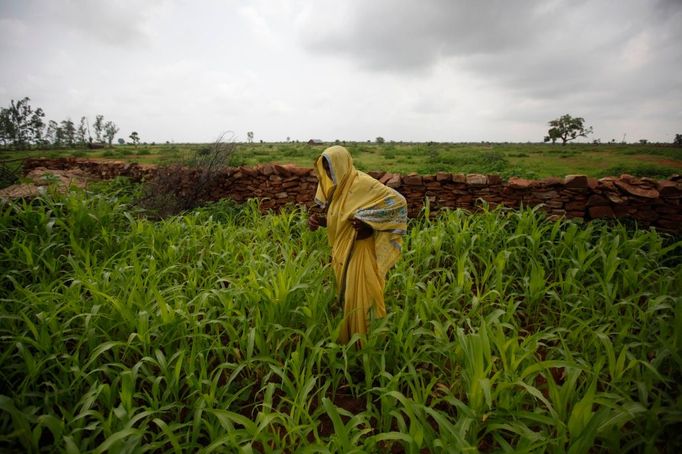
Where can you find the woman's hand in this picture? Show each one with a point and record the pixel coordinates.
(363, 229)
(315, 222)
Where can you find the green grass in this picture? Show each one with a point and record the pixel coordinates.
(215, 331)
(522, 160)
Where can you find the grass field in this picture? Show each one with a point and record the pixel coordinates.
(522, 160)
(215, 331)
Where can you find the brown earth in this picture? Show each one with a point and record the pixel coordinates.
(42, 178)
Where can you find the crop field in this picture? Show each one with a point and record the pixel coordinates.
(214, 331)
(521, 160)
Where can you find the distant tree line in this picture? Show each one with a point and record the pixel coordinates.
(22, 127)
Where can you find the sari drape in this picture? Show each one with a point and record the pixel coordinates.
(359, 266)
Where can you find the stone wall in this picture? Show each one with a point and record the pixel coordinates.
(650, 202)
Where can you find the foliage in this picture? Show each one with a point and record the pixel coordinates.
(110, 130)
(68, 130)
(135, 138)
(83, 134)
(567, 128)
(678, 140)
(215, 331)
(98, 126)
(380, 140)
(170, 193)
(10, 172)
(20, 125)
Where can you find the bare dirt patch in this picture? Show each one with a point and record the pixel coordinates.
(664, 162)
(42, 178)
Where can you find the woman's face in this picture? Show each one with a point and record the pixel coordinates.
(325, 164)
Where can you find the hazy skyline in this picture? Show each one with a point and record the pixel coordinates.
(438, 70)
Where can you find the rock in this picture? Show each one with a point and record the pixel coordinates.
(551, 181)
(615, 198)
(669, 189)
(519, 183)
(475, 179)
(637, 190)
(394, 181)
(281, 170)
(443, 176)
(629, 178)
(412, 179)
(546, 195)
(597, 200)
(459, 178)
(598, 212)
(671, 226)
(576, 181)
(608, 183)
(494, 180)
(576, 206)
(592, 183)
(554, 204)
(385, 177)
(300, 171)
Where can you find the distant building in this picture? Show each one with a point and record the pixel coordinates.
(315, 142)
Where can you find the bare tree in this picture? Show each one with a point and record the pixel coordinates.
(185, 185)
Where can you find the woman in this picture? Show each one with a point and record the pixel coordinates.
(365, 222)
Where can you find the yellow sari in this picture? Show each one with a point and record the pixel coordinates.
(360, 266)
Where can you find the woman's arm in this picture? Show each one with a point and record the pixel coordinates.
(363, 229)
(316, 221)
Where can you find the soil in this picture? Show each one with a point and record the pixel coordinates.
(42, 178)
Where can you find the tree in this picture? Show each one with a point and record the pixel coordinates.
(20, 125)
(54, 134)
(110, 130)
(249, 136)
(5, 126)
(134, 137)
(82, 132)
(98, 126)
(567, 128)
(380, 140)
(678, 140)
(69, 132)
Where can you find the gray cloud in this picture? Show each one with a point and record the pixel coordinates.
(389, 35)
(540, 48)
(427, 70)
(118, 24)
(605, 58)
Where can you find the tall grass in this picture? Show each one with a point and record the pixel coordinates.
(215, 331)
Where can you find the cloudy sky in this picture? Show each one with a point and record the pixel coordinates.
(442, 70)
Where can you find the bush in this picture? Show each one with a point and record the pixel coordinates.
(167, 193)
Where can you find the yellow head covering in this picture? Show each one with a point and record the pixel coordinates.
(350, 194)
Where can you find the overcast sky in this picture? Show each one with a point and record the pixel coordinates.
(441, 70)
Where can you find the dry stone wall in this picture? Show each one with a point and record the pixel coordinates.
(650, 202)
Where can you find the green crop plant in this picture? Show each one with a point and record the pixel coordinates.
(215, 331)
